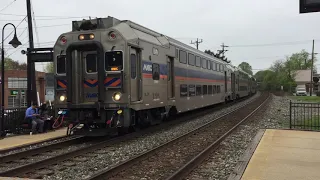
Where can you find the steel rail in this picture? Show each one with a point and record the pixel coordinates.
(193, 163)
(110, 172)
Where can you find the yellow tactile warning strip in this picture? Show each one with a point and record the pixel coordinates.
(10, 142)
(285, 155)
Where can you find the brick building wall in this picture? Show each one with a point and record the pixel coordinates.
(16, 87)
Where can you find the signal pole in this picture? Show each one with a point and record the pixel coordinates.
(312, 56)
(197, 42)
(31, 90)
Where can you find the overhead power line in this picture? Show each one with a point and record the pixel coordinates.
(8, 5)
(46, 19)
(70, 17)
(273, 44)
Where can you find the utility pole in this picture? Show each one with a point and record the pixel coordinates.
(311, 68)
(223, 51)
(197, 42)
(31, 67)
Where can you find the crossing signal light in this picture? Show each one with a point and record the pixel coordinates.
(315, 79)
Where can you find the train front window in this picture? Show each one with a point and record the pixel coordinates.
(113, 61)
(91, 63)
(61, 64)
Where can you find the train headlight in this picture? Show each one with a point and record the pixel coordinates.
(62, 98)
(116, 96)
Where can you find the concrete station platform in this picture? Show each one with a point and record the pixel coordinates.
(280, 155)
(22, 140)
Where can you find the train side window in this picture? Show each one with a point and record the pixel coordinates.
(177, 53)
(192, 90)
(217, 67)
(198, 90)
(221, 67)
(155, 71)
(183, 90)
(205, 89)
(192, 60)
(209, 64)
(198, 61)
(214, 89)
(218, 89)
(204, 63)
(91, 63)
(209, 89)
(183, 57)
(214, 68)
(133, 66)
(61, 64)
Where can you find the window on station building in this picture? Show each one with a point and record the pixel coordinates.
(17, 83)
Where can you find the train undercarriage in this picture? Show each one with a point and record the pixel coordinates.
(119, 121)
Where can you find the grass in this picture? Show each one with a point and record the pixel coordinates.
(307, 98)
(308, 124)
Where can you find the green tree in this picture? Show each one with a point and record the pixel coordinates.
(49, 68)
(246, 67)
(282, 72)
(10, 64)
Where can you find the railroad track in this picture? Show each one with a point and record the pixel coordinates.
(37, 144)
(58, 161)
(176, 158)
(25, 158)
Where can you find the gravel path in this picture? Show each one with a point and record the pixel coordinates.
(111, 156)
(223, 161)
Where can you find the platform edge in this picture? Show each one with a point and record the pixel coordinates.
(244, 160)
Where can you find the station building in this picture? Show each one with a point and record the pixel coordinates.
(15, 85)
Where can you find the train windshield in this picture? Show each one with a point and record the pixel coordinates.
(61, 64)
(113, 61)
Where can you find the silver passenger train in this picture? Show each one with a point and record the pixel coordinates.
(117, 75)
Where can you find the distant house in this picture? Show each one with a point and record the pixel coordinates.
(303, 77)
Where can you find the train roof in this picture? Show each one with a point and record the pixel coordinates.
(136, 32)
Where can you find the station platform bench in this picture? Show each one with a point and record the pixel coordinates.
(22, 140)
(280, 154)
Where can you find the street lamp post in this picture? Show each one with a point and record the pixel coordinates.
(15, 43)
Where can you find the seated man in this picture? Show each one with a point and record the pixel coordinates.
(32, 112)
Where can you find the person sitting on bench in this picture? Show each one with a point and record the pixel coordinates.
(32, 113)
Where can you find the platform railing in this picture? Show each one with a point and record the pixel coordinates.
(14, 118)
(305, 116)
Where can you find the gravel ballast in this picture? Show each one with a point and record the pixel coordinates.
(222, 162)
(37, 145)
(120, 152)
